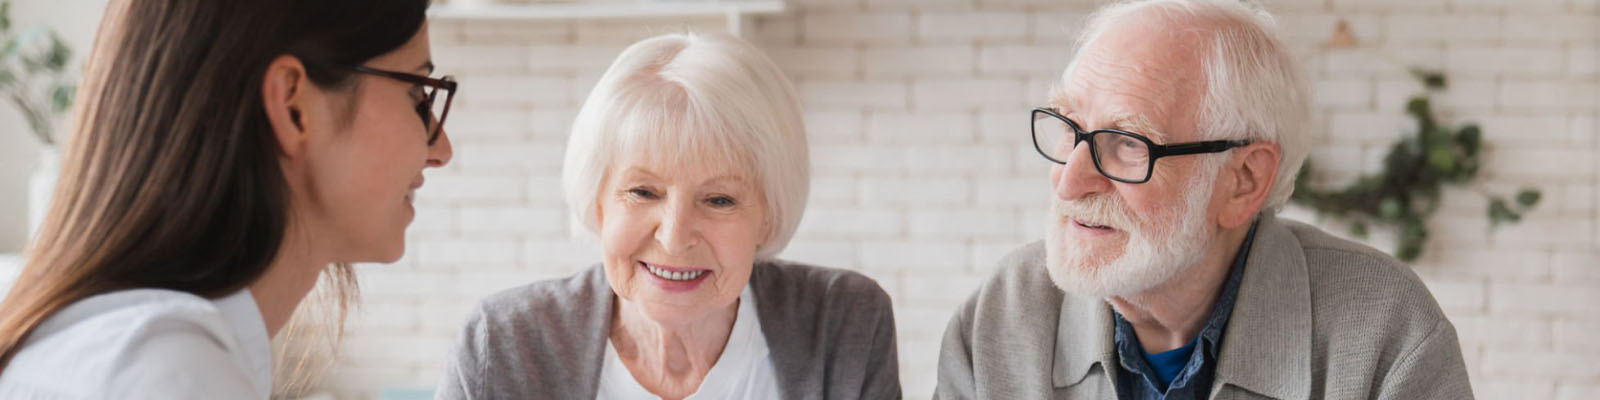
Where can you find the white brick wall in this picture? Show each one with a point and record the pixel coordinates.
(923, 176)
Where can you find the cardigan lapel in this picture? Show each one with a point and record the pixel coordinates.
(1267, 348)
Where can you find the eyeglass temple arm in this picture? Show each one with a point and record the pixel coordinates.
(446, 83)
(1213, 146)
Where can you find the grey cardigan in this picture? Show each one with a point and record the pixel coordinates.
(1317, 317)
(830, 331)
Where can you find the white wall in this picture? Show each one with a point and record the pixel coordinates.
(75, 20)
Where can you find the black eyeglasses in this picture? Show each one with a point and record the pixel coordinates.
(431, 111)
(1120, 155)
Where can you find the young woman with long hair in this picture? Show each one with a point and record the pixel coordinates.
(224, 155)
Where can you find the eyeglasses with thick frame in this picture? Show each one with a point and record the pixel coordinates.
(1138, 142)
(447, 83)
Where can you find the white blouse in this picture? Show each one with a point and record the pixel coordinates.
(743, 371)
(145, 344)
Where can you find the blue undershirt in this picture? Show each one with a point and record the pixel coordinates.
(1168, 364)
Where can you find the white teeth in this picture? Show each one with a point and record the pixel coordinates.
(673, 275)
(1091, 225)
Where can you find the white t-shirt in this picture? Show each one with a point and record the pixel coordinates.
(145, 344)
(743, 371)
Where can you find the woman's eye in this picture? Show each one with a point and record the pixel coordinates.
(721, 201)
(642, 193)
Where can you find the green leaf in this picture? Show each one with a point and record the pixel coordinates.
(1430, 79)
(55, 59)
(1528, 197)
(1409, 250)
(1365, 184)
(9, 48)
(1441, 160)
(1389, 208)
(1412, 227)
(1499, 213)
(61, 98)
(1470, 168)
(1402, 157)
(5, 15)
(1419, 107)
(1434, 81)
(1471, 139)
(1412, 236)
(1358, 229)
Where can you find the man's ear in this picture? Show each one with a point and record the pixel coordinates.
(1248, 178)
(283, 95)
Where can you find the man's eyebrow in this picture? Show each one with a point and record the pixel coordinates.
(1137, 123)
(1059, 99)
(1128, 121)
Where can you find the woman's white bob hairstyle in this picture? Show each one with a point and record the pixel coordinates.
(689, 100)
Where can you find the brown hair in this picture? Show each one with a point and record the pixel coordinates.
(171, 177)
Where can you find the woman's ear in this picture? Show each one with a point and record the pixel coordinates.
(283, 95)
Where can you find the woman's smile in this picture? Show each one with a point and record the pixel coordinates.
(675, 279)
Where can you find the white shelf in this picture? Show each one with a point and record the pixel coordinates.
(641, 9)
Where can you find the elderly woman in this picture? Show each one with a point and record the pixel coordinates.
(689, 163)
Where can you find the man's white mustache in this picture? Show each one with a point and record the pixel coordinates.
(1099, 210)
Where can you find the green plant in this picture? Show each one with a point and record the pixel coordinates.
(1405, 194)
(33, 74)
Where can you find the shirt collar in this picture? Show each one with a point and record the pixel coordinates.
(1223, 308)
(741, 357)
(1083, 339)
(1269, 339)
(244, 318)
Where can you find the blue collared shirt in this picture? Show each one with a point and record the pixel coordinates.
(1138, 379)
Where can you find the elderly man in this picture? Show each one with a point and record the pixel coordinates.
(1175, 135)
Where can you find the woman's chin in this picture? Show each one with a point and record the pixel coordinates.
(388, 253)
(674, 308)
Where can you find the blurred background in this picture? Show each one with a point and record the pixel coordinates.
(924, 176)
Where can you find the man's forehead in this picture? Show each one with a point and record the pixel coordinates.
(1118, 89)
(1151, 43)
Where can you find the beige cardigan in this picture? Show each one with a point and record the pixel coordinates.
(1317, 317)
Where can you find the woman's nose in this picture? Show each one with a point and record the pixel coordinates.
(676, 232)
(440, 152)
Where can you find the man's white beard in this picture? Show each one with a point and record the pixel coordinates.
(1152, 254)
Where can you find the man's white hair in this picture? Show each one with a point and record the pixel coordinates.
(1255, 88)
(693, 100)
